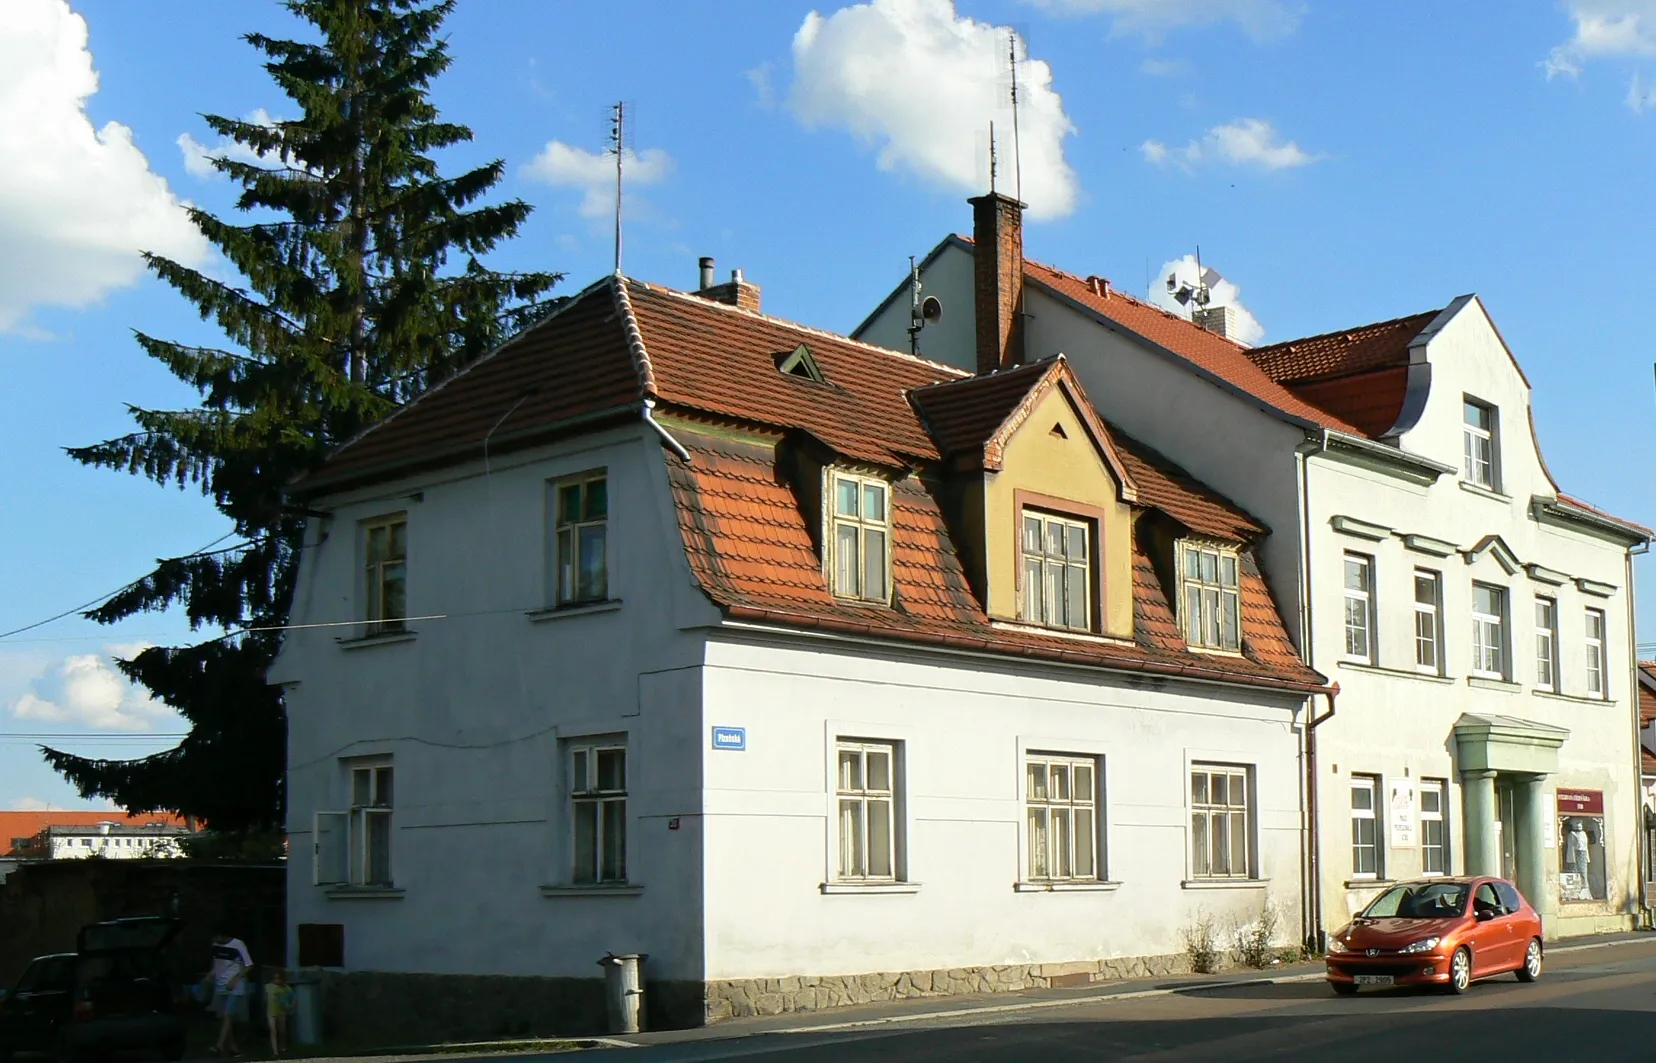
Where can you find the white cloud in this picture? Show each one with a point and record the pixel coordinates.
(760, 78)
(1260, 19)
(593, 173)
(1245, 142)
(1640, 96)
(198, 157)
(86, 690)
(30, 804)
(1604, 29)
(1247, 327)
(1165, 68)
(921, 84)
(77, 204)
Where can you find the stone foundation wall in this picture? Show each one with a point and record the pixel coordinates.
(775, 996)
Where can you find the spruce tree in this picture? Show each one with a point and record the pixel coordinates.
(359, 285)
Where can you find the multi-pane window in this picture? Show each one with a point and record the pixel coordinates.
(862, 534)
(1428, 619)
(1480, 436)
(1062, 798)
(1488, 631)
(1212, 600)
(1359, 608)
(583, 534)
(385, 556)
(1365, 827)
(1220, 844)
(1434, 827)
(598, 799)
(353, 847)
(1057, 571)
(1546, 643)
(1595, 653)
(867, 791)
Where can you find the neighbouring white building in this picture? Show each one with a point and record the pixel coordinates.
(110, 841)
(816, 672)
(1477, 620)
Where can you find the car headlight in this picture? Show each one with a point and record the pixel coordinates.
(1424, 945)
(1335, 946)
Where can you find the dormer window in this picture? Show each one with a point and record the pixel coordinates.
(861, 538)
(1480, 433)
(1211, 597)
(801, 363)
(1057, 571)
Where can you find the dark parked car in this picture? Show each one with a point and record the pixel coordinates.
(113, 993)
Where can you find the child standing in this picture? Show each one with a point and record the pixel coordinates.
(278, 1006)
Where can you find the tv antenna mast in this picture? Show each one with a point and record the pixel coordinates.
(1017, 144)
(1200, 293)
(618, 139)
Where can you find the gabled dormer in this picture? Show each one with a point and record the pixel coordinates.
(1042, 504)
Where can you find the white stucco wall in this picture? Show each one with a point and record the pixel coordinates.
(474, 711)
(964, 725)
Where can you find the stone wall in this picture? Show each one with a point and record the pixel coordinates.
(775, 996)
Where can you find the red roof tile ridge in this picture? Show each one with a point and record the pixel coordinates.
(1117, 293)
(837, 337)
(1579, 503)
(635, 337)
(1349, 333)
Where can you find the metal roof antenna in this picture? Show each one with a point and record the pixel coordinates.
(618, 139)
(1017, 144)
(991, 156)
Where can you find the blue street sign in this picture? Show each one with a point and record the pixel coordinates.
(730, 738)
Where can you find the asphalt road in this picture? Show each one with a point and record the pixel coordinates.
(1594, 1005)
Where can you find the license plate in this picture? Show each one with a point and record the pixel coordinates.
(1374, 979)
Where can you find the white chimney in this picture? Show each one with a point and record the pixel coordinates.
(1216, 319)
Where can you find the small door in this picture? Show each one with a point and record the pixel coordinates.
(1506, 828)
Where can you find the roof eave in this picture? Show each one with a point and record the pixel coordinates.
(1613, 527)
(1390, 459)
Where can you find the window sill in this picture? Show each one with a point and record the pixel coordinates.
(365, 893)
(1483, 492)
(1578, 698)
(620, 889)
(1485, 683)
(1372, 883)
(1400, 673)
(869, 887)
(364, 641)
(608, 605)
(1094, 886)
(1224, 883)
(1076, 633)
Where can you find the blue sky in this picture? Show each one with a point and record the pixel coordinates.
(1341, 163)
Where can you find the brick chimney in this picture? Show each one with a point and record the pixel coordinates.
(1218, 319)
(998, 278)
(736, 292)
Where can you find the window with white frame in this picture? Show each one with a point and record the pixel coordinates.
(1595, 653)
(385, 576)
(1434, 827)
(1061, 794)
(1546, 643)
(1221, 845)
(1428, 618)
(867, 788)
(1359, 608)
(598, 808)
(1480, 434)
(861, 538)
(582, 526)
(1489, 610)
(1365, 827)
(353, 847)
(1057, 571)
(1212, 598)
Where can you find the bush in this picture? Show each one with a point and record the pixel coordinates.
(1251, 943)
(1201, 941)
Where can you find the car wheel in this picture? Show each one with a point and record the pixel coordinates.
(1531, 970)
(1344, 989)
(1460, 971)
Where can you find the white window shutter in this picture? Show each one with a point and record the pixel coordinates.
(331, 853)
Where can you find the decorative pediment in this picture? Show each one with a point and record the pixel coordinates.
(1497, 548)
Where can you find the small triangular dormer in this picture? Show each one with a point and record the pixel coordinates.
(799, 363)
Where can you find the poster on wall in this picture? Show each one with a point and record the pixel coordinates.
(1581, 849)
(1402, 814)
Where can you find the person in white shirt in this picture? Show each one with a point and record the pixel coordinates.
(231, 967)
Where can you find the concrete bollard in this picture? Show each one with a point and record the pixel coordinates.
(624, 991)
(305, 1022)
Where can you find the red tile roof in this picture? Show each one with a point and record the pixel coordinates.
(1353, 350)
(1647, 712)
(618, 344)
(1371, 402)
(16, 826)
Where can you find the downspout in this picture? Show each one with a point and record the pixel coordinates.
(1311, 901)
(673, 444)
(1642, 858)
(1315, 937)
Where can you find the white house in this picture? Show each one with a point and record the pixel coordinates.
(111, 841)
(1477, 620)
(816, 672)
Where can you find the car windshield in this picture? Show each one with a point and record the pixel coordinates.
(1433, 900)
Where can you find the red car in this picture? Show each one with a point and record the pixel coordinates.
(1438, 931)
